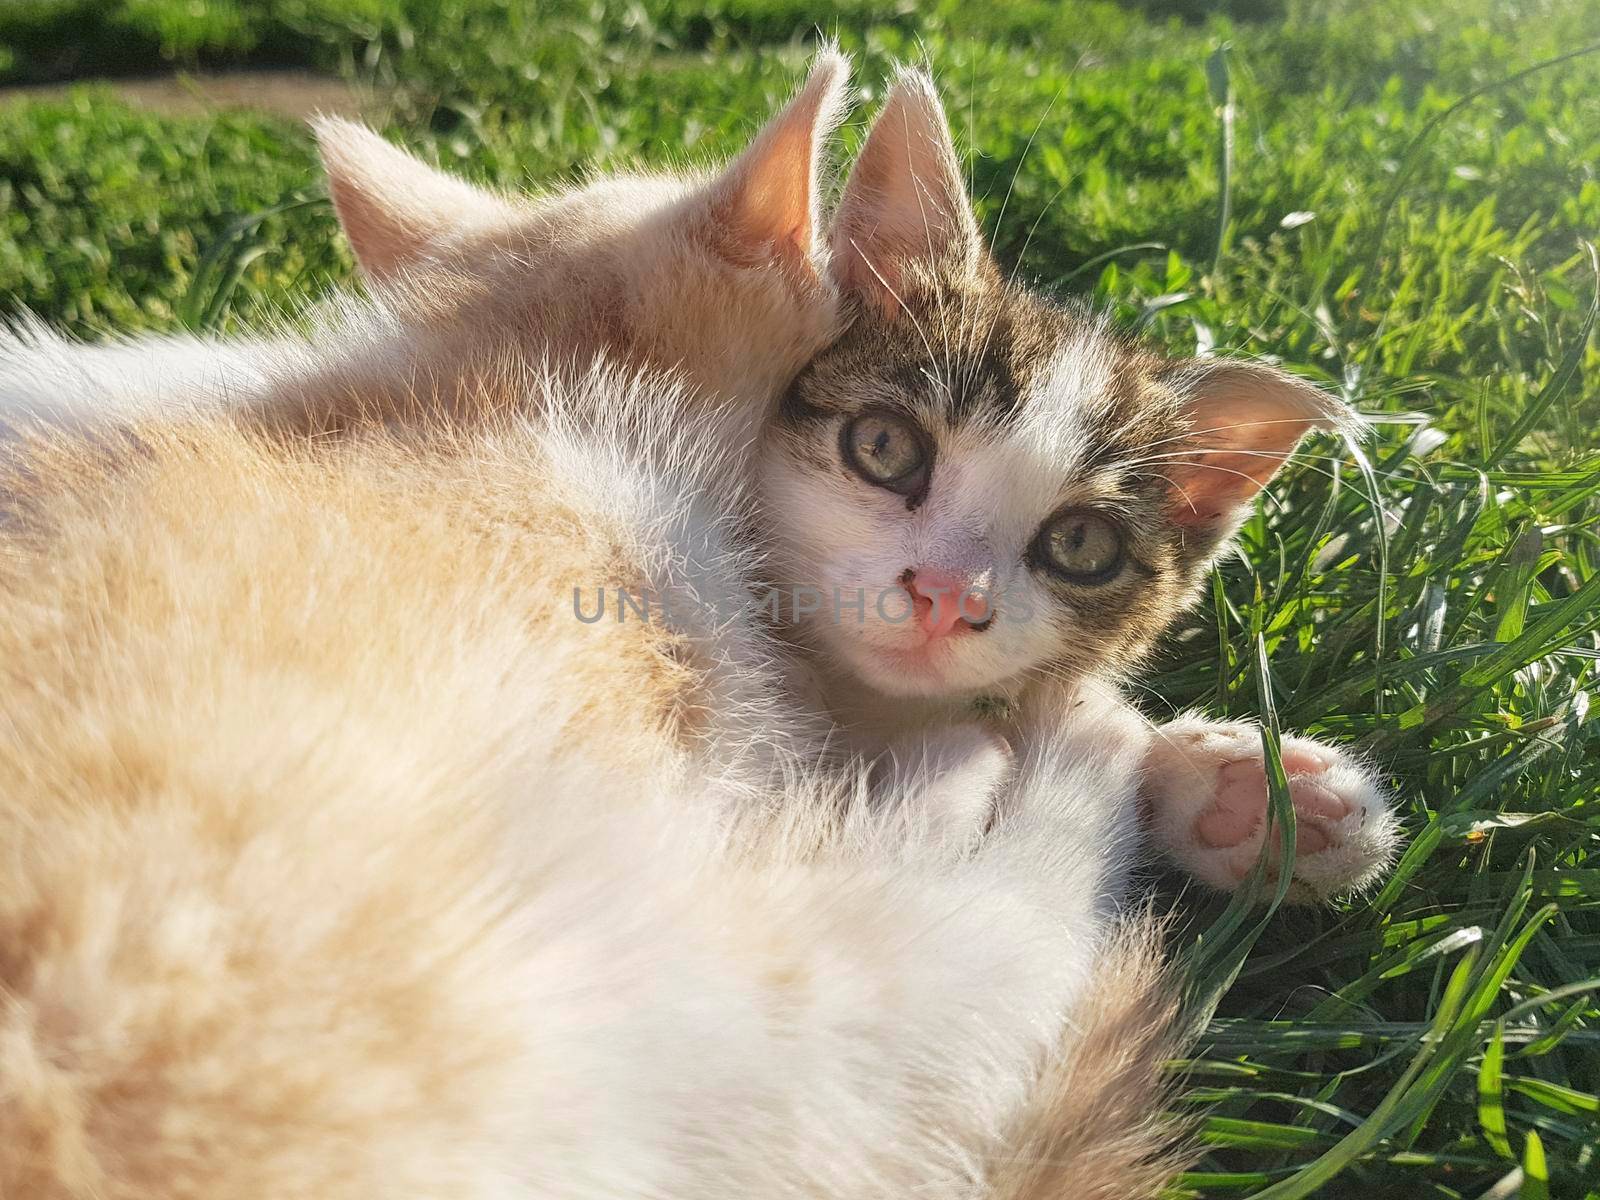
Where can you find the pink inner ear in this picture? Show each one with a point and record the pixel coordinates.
(383, 241)
(875, 278)
(768, 211)
(1244, 428)
(763, 208)
(905, 212)
(1215, 484)
(393, 206)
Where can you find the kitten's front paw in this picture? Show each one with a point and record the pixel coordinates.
(1206, 793)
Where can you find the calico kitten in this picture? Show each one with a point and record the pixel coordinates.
(990, 402)
(990, 490)
(343, 862)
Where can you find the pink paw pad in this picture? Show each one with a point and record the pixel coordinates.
(1239, 809)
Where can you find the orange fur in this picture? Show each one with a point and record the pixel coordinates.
(254, 944)
(709, 276)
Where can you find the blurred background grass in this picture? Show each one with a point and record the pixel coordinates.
(1373, 193)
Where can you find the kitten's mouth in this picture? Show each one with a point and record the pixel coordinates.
(920, 667)
(921, 659)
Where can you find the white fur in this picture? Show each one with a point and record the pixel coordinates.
(936, 963)
(714, 976)
(46, 377)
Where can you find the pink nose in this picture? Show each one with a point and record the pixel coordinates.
(946, 602)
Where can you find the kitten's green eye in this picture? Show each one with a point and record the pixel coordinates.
(1080, 546)
(887, 451)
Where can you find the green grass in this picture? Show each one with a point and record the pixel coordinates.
(1433, 600)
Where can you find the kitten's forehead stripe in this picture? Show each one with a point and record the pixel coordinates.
(798, 406)
(1002, 357)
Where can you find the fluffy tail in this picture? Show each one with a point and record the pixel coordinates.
(1094, 1129)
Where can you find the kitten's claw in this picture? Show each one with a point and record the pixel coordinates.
(1206, 793)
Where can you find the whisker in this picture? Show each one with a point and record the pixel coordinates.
(1016, 171)
(1306, 459)
(1150, 723)
(1231, 452)
(1005, 201)
(1387, 513)
(1268, 497)
(1150, 691)
(1193, 433)
(1095, 686)
(924, 199)
(1033, 229)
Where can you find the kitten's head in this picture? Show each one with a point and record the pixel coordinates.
(714, 275)
(982, 486)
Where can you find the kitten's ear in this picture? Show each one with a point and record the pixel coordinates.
(1244, 421)
(904, 220)
(764, 206)
(392, 206)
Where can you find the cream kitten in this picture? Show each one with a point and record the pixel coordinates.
(343, 861)
(984, 490)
